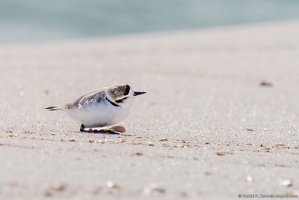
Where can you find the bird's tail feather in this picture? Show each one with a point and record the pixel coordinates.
(53, 108)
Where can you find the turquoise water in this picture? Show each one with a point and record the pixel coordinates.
(36, 20)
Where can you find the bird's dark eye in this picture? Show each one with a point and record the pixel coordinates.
(121, 100)
(127, 89)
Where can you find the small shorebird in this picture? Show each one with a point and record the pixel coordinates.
(102, 107)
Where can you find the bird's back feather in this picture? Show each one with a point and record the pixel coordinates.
(91, 97)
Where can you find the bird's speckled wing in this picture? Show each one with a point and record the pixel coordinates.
(89, 98)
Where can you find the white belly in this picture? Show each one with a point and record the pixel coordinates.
(99, 115)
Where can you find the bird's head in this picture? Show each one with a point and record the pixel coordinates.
(122, 95)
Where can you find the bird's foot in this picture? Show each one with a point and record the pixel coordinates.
(82, 127)
(100, 131)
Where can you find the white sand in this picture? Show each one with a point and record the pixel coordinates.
(204, 97)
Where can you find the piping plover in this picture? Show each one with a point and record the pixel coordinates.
(102, 107)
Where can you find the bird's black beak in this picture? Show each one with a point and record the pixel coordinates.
(138, 93)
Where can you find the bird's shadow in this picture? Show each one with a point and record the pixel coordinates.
(103, 132)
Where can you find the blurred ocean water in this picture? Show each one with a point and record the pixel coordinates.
(36, 20)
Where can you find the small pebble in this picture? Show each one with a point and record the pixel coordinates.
(249, 178)
(208, 173)
(137, 154)
(287, 183)
(118, 129)
(55, 187)
(169, 156)
(122, 141)
(136, 143)
(186, 146)
(154, 189)
(150, 144)
(279, 145)
(163, 140)
(223, 153)
(265, 83)
(8, 131)
(12, 135)
(111, 184)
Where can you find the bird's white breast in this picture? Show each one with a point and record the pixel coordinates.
(99, 114)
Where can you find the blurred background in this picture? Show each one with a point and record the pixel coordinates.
(36, 21)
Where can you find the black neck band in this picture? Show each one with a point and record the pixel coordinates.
(114, 104)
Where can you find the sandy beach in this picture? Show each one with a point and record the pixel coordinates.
(220, 117)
